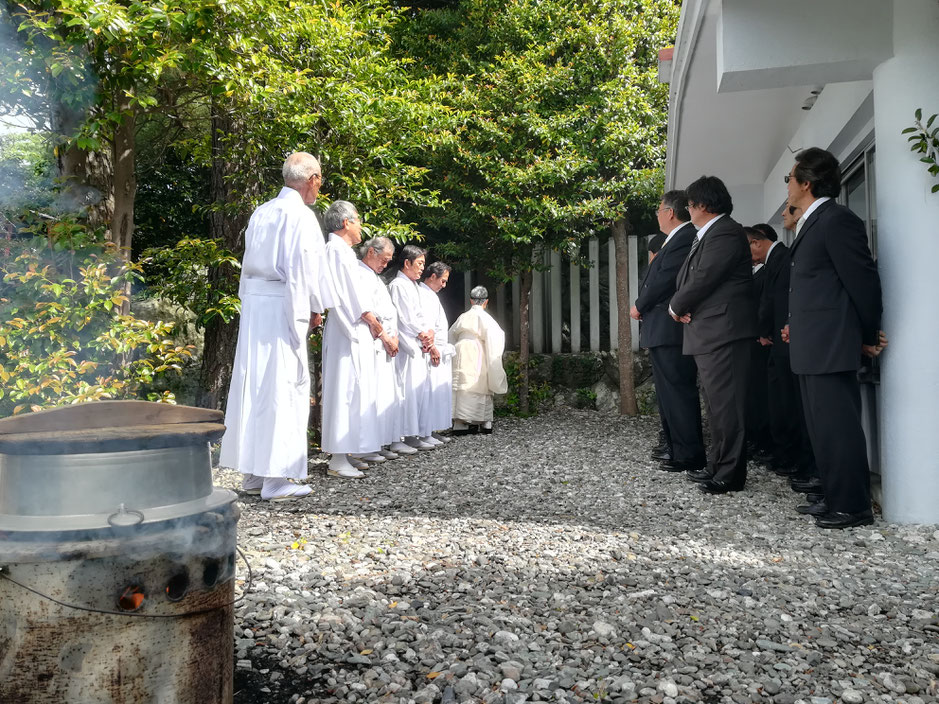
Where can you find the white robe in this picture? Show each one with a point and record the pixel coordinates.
(439, 400)
(388, 392)
(349, 420)
(411, 363)
(283, 280)
(477, 366)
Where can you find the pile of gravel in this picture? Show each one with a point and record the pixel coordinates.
(551, 561)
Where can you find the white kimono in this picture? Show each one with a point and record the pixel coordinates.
(439, 400)
(477, 367)
(283, 280)
(388, 392)
(349, 420)
(411, 363)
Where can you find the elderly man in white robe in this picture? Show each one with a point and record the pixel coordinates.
(438, 403)
(349, 418)
(376, 255)
(416, 338)
(477, 366)
(284, 288)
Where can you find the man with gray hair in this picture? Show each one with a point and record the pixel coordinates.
(284, 288)
(477, 366)
(349, 420)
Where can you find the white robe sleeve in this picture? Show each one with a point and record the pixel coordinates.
(495, 346)
(351, 298)
(405, 296)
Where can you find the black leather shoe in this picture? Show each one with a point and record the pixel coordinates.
(836, 519)
(662, 455)
(762, 457)
(818, 508)
(814, 498)
(713, 486)
(811, 486)
(682, 465)
(785, 470)
(700, 475)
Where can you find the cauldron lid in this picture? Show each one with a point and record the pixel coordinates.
(108, 426)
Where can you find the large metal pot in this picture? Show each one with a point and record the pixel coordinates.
(117, 557)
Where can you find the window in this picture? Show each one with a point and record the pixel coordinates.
(858, 193)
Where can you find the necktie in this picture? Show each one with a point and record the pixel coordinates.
(694, 246)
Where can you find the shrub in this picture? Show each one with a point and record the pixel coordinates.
(63, 338)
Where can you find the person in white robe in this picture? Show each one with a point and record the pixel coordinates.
(376, 254)
(415, 338)
(438, 406)
(349, 419)
(283, 289)
(477, 366)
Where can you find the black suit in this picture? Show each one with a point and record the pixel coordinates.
(675, 374)
(834, 308)
(758, 428)
(715, 285)
(791, 444)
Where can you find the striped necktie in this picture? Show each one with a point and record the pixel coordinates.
(694, 246)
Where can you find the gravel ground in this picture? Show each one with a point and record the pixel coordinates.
(551, 561)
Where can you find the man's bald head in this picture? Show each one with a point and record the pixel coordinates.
(303, 174)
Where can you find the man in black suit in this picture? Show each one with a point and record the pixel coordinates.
(675, 375)
(792, 450)
(715, 302)
(834, 316)
(759, 437)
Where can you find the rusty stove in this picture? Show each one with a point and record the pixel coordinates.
(117, 557)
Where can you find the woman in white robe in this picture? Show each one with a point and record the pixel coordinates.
(415, 337)
(283, 290)
(477, 366)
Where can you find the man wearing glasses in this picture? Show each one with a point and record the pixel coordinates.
(675, 374)
(834, 317)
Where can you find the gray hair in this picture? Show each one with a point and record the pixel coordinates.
(378, 244)
(299, 168)
(479, 293)
(338, 213)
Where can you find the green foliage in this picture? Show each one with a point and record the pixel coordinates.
(586, 397)
(538, 391)
(180, 274)
(925, 142)
(63, 338)
(26, 172)
(560, 120)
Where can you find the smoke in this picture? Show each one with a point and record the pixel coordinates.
(47, 90)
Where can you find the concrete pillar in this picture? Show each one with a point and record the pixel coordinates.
(557, 296)
(467, 287)
(593, 256)
(614, 304)
(575, 307)
(500, 306)
(908, 248)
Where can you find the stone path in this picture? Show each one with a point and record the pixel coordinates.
(551, 561)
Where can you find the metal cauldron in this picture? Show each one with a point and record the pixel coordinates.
(117, 557)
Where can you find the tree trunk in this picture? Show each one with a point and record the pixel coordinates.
(524, 298)
(627, 386)
(226, 225)
(124, 183)
(86, 176)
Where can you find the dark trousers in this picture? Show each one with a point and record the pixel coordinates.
(791, 444)
(832, 404)
(724, 374)
(676, 390)
(758, 426)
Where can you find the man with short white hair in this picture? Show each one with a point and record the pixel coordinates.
(437, 410)
(477, 367)
(284, 288)
(349, 419)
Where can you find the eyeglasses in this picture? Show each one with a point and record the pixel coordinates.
(318, 177)
(661, 210)
(788, 177)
